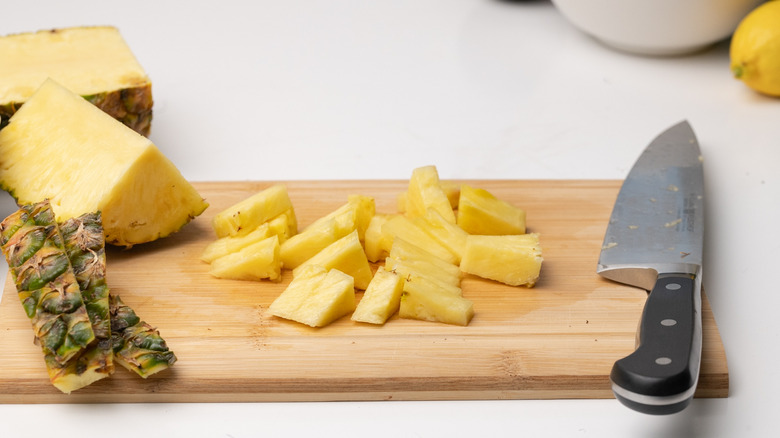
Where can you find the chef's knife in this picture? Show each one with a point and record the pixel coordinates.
(655, 241)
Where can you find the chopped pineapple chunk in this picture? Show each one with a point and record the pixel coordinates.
(356, 214)
(428, 303)
(246, 215)
(513, 259)
(402, 227)
(346, 255)
(446, 233)
(256, 261)
(279, 226)
(316, 297)
(376, 243)
(381, 299)
(479, 212)
(425, 192)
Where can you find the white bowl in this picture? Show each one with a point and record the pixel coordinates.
(657, 27)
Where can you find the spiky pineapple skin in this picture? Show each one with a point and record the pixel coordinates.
(45, 282)
(137, 345)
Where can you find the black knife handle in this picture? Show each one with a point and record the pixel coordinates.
(660, 377)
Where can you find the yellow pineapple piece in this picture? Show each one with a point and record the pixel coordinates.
(246, 215)
(479, 212)
(425, 192)
(60, 147)
(346, 255)
(257, 261)
(285, 225)
(399, 226)
(376, 244)
(511, 259)
(279, 226)
(355, 215)
(406, 251)
(412, 272)
(450, 189)
(426, 302)
(448, 234)
(381, 299)
(316, 297)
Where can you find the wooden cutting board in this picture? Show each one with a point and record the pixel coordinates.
(556, 340)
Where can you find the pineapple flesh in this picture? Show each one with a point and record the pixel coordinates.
(248, 214)
(381, 299)
(480, 212)
(94, 62)
(46, 283)
(257, 261)
(316, 297)
(425, 191)
(346, 255)
(511, 259)
(60, 147)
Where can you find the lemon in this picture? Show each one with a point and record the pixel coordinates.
(755, 49)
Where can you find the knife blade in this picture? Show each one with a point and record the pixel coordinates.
(655, 241)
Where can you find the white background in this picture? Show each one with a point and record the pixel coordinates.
(280, 90)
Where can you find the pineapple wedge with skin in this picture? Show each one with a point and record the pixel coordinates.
(248, 214)
(257, 261)
(137, 346)
(480, 212)
(346, 255)
(355, 215)
(94, 62)
(45, 282)
(425, 192)
(512, 259)
(316, 297)
(381, 299)
(60, 147)
(279, 226)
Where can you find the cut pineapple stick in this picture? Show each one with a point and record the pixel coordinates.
(418, 270)
(45, 281)
(513, 259)
(248, 214)
(137, 345)
(479, 212)
(443, 231)
(381, 299)
(425, 192)
(346, 255)
(257, 261)
(406, 251)
(316, 297)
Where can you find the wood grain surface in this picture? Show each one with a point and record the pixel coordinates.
(554, 341)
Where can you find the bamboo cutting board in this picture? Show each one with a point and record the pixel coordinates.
(556, 340)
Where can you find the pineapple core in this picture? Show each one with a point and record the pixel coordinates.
(60, 147)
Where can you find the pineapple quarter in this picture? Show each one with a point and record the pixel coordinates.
(60, 147)
(93, 62)
(512, 259)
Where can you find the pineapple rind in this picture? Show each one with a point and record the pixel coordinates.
(137, 345)
(52, 302)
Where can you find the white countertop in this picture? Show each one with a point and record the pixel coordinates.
(342, 89)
